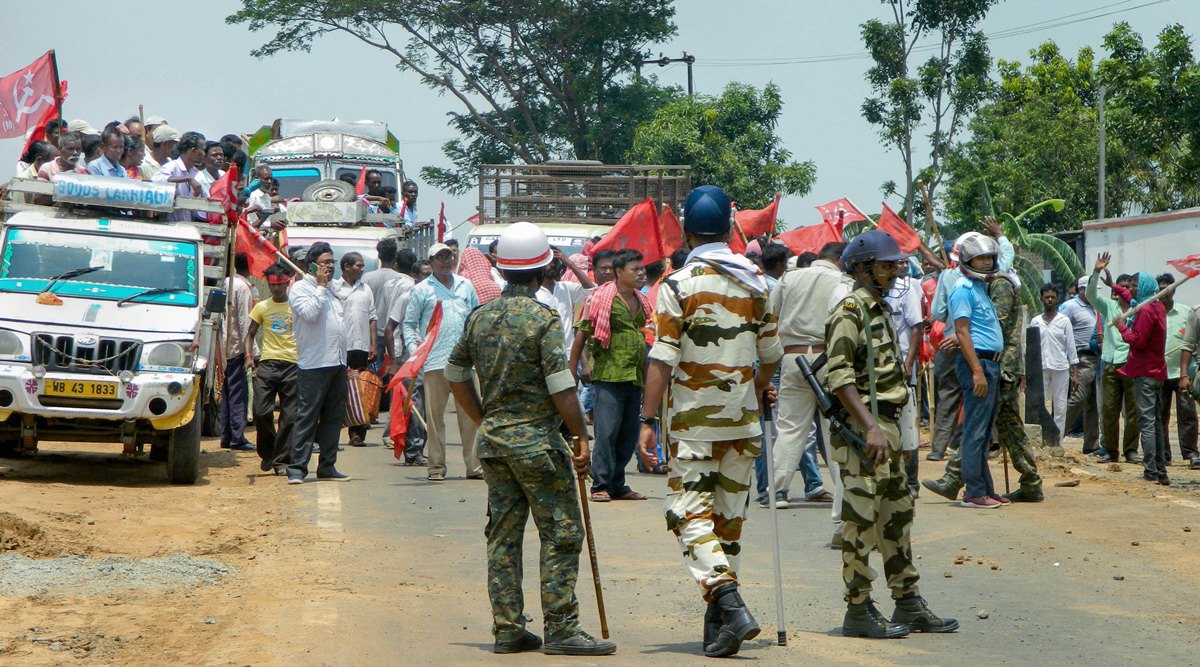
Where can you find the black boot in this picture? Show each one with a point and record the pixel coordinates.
(737, 625)
(864, 620)
(942, 488)
(712, 623)
(912, 611)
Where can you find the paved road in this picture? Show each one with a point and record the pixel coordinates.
(407, 559)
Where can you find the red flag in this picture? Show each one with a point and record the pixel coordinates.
(401, 405)
(896, 226)
(441, 229)
(808, 239)
(360, 188)
(636, 230)
(737, 241)
(1188, 266)
(262, 253)
(758, 222)
(838, 213)
(474, 220)
(224, 190)
(671, 231)
(26, 94)
(39, 131)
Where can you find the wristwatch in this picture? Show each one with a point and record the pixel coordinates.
(649, 421)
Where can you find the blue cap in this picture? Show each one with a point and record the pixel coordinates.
(707, 210)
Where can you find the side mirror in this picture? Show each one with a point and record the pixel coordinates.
(215, 302)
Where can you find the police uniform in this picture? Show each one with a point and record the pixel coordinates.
(877, 508)
(1009, 427)
(712, 328)
(516, 346)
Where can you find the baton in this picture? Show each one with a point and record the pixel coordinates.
(769, 422)
(591, 544)
(834, 412)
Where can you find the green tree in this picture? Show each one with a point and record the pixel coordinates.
(939, 94)
(536, 79)
(730, 141)
(1153, 108)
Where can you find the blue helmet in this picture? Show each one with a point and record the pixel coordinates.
(871, 246)
(707, 210)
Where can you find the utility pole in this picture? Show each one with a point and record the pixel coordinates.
(663, 61)
(1100, 185)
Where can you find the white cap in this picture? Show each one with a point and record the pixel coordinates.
(155, 120)
(81, 126)
(522, 247)
(164, 133)
(438, 247)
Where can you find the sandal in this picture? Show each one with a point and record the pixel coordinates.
(822, 497)
(436, 477)
(600, 497)
(659, 469)
(630, 495)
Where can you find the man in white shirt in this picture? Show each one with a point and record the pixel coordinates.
(379, 281)
(399, 288)
(801, 302)
(1059, 357)
(321, 359)
(214, 159)
(182, 171)
(233, 390)
(904, 301)
(565, 297)
(358, 318)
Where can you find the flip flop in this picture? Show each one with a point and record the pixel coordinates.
(600, 497)
(822, 497)
(630, 495)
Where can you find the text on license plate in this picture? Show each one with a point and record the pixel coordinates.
(80, 389)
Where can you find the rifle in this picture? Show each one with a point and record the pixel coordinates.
(834, 411)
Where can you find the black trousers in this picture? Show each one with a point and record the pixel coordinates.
(322, 409)
(274, 378)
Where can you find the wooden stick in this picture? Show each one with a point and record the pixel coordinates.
(1004, 456)
(1155, 297)
(591, 544)
(937, 234)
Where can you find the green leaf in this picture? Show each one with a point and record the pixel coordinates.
(1048, 252)
(1066, 252)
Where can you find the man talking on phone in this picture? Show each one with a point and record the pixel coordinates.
(321, 363)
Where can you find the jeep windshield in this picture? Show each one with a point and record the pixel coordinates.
(124, 266)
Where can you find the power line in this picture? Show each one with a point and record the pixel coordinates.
(1058, 22)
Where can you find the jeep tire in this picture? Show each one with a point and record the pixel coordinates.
(183, 450)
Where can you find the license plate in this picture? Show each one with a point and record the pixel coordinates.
(80, 389)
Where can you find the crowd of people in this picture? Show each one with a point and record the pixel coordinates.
(534, 346)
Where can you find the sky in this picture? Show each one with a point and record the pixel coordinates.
(811, 49)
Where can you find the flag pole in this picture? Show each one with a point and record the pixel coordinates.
(57, 84)
(1154, 297)
(869, 221)
(933, 226)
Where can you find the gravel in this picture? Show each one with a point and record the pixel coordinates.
(80, 575)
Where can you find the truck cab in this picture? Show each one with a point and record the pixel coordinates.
(104, 331)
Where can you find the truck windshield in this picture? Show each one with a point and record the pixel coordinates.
(293, 180)
(124, 266)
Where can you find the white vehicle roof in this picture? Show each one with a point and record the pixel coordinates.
(65, 221)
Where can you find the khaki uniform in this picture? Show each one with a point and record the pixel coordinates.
(516, 346)
(877, 509)
(1010, 429)
(714, 325)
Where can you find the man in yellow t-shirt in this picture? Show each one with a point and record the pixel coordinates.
(274, 371)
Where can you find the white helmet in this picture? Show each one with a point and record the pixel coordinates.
(522, 247)
(972, 245)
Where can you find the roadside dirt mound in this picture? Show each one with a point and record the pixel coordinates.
(25, 538)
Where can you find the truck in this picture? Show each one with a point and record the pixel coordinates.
(1146, 243)
(572, 201)
(310, 159)
(107, 327)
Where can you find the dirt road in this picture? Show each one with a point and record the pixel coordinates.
(388, 569)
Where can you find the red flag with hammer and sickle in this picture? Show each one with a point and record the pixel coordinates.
(25, 95)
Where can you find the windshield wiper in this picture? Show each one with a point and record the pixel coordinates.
(150, 292)
(73, 273)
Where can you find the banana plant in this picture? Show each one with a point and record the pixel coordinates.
(1034, 249)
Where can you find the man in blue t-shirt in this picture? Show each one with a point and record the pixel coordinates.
(977, 328)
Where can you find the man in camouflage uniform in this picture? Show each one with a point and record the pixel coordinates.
(866, 374)
(516, 345)
(713, 324)
(1009, 427)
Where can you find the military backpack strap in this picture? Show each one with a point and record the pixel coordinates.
(872, 376)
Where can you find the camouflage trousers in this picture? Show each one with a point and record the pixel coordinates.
(878, 512)
(710, 488)
(545, 485)
(1011, 433)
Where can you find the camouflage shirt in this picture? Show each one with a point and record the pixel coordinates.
(516, 346)
(1003, 294)
(712, 329)
(846, 347)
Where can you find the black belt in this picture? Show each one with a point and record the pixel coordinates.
(987, 354)
(890, 411)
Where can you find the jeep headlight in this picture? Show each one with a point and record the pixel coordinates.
(11, 344)
(172, 355)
